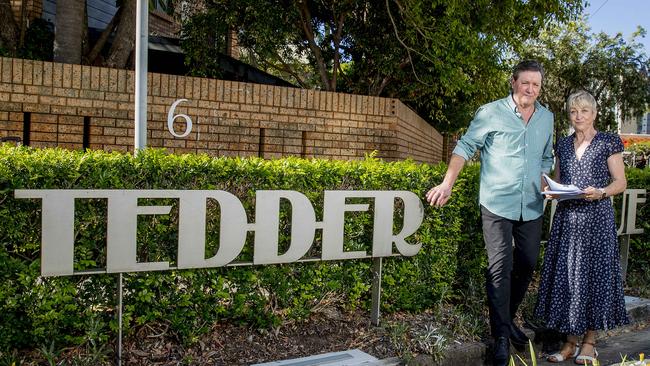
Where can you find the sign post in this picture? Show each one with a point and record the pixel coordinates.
(141, 48)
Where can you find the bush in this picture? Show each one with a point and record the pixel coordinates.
(71, 310)
(38, 311)
(640, 243)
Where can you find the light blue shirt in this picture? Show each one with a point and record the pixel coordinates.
(513, 157)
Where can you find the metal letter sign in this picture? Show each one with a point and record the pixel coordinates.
(57, 254)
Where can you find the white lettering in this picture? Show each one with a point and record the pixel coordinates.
(57, 254)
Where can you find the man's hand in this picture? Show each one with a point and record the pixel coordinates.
(551, 196)
(439, 195)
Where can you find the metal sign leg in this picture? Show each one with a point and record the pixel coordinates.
(119, 315)
(376, 290)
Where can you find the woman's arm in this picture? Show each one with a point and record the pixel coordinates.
(618, 184)
(617, 171)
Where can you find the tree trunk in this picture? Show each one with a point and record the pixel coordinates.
(68, 35)
(306, 25)
(8, 27)
(124, 42)
(95, 51)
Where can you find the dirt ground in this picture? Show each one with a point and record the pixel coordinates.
(230, 344)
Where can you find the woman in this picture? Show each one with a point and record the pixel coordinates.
(581, 289)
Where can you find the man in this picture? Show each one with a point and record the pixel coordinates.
(515, 138)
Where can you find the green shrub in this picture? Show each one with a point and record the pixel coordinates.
(37, 310)
(640, 243)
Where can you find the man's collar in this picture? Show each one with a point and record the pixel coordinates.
(513, 106)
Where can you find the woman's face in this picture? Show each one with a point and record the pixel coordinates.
(582, 117)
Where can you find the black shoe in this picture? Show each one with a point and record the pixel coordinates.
(501, 351)
(518, 338)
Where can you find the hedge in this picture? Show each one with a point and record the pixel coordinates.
(37, 310)
(69, 310)
(640, 243)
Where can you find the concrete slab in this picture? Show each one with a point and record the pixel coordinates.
(344, 358)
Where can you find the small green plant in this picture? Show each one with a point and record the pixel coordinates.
(49, 353)
(533, 357)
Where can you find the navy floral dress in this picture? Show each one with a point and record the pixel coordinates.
(581, 287)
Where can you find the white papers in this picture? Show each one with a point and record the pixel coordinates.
(562, 191)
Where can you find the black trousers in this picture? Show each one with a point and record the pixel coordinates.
(510, 267)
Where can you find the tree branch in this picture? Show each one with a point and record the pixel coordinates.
(305, 23)
(407, 48)
(285, 68)
(101, 41)
(337, 43)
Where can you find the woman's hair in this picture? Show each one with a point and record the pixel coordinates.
(579, 99)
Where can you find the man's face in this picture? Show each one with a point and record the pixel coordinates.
(526, 88)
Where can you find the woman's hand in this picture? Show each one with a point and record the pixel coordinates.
(592, 194)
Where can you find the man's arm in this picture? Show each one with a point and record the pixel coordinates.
(439, 195)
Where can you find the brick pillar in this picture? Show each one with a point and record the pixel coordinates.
(33, 9)
(448, 144)
(232, 45)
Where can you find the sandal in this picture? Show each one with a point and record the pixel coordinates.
(559, 357)
(587, 360)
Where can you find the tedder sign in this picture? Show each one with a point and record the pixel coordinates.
(57, 252)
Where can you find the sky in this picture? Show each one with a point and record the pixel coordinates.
(613, 16)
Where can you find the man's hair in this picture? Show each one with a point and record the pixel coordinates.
(581, 99)
(527, 65)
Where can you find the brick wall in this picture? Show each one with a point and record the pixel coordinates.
(161, 24)
(74, 106)
(33, 9)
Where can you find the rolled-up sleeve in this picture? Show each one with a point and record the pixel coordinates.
(474, 138)
(547, 157)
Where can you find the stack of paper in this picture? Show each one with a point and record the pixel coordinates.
(562, 191)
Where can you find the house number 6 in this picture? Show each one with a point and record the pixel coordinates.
(171, 117)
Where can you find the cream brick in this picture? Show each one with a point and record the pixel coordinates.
(17, 71)
(124, 140)
(7, 73)
(71, 129)
(66, 76)
(76, 76)
(36, 108)
(205, 89)
(113, 80)
(24, 98)
(197, 87)
(28, 72)
(102, 139)
(122, 81)
(104, 77)
(43, 127)
(288, 111)
(173, 143)
(90, 111)
(155, 84)
(130, 82)
(47, 74)
(180, 87)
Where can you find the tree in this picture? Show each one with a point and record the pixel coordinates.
(8, 28)
(69, 31)
(124, 43)
(613, 70)
(71, 35)
(444, 58)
